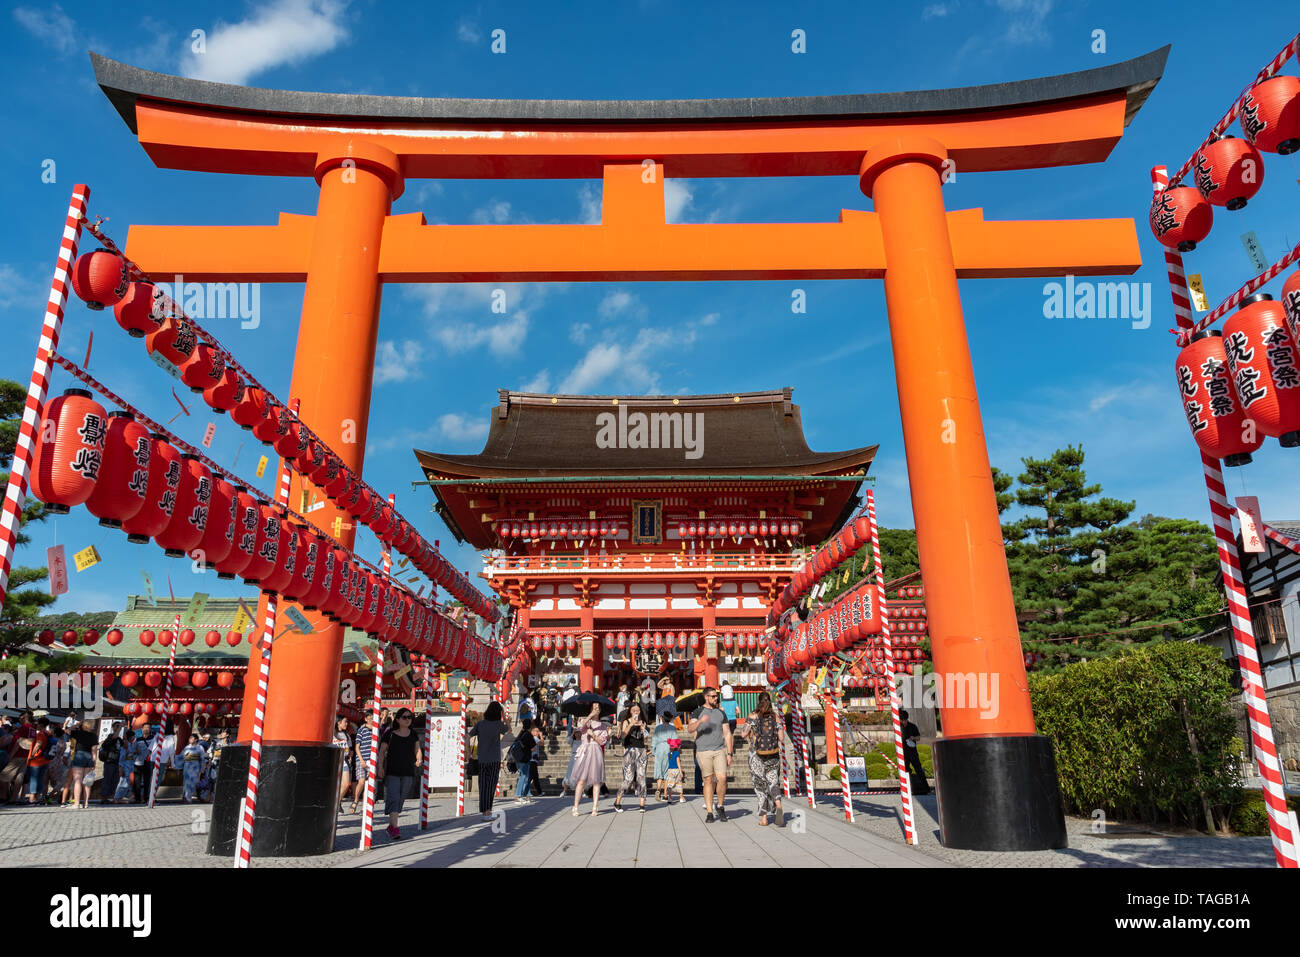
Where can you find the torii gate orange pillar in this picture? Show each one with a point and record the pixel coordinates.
(970, 605)
(332, 374)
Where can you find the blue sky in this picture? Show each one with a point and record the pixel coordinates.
(1043, 383)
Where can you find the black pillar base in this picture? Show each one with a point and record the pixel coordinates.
(297, 800)
(999, 794)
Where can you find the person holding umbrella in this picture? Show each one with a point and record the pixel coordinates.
(589, 756)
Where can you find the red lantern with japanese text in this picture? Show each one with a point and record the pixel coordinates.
(203, 369)
(1270, 115)
(69, 450)
(100, 278)
(1291, 303)
(1263, 360)
(1214, 414)
(189, 517)
(138, 311)
(219, 532)
(1180, 218)
(123, 482)
(244, 519)
(249, 408)
(174, 340)
(266, 545)
(1228, 172)
(279, 578)
(164, 480)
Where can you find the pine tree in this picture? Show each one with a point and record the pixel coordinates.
(22, 604)
(1058, 556)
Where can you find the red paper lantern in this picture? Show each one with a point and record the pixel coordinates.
(165, 638)
(212, 638)
(225, 394)
(203, 369)
(233, 638)
(122, 485)
(1228, 172)
(219, 532)
(249, 408)
(130, 679)
(245, 517)
(1265, 367)
(291, 441)
(146, 637)
(100, 278)
(153, 679)
(280, 577)
(69, 450)
(181, 679)
(200, 678)
(190, 514)
(358, 501)
(185, 707)
(266, 545)
(320, 558)
(164, 480)
(1291, 303)
(187, 637)
(69, 638)
(175, 340)
(1180, 218)
(46, 637)
(89, 636)
(225, 679)
(336, 602)
(139, 310)
(1270, 115)
(114, 636)
(274, 425)
(1210, 402)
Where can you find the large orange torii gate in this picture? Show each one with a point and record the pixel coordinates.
(998, 780)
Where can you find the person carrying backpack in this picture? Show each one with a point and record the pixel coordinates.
(521, 758)
(766, 739)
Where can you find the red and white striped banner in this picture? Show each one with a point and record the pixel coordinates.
(833, 713)
(460, 785)
(1284, 541)
(16, 491)
(428, 729)
(785, 774)
(1252, 679)
(167, 700)
(248, 810)
(904, 779)
(801, 737)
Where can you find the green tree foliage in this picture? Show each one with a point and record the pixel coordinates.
(22, 603)
(1124, 728)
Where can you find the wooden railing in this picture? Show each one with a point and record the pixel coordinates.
(657, 562)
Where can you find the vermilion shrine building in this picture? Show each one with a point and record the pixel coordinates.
(645, 534)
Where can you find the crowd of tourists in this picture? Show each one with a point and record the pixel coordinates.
(64, 763)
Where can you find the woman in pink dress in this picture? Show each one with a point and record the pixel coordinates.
(589, 760)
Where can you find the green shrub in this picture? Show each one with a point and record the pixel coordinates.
(1249, 816)
(1120, 726)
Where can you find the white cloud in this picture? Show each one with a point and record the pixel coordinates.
(496, 211)
(18, 290)
(503, 335)
(468, 32)
(539, 383)
(933, 10)
(616, 302)
(397, 362)
(677, 198)
(51, 26)
(578, 332)
(710, 319)
(589, 200)
(1026, 23)
(456, 427)
(284, 32)
(628, 365)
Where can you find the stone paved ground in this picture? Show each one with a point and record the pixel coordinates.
(546, 834)
(1122, 846)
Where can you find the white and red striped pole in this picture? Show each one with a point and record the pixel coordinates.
(895, 703)
(1283, 540)
(248, 809)
(368, 806)
(38, 388)
(166, 708)
(801, 735)
(460, 751)
(785, 776)
(833, 713)
(1252, 680)
(428, 740)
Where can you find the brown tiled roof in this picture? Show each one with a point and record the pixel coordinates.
(748, 433)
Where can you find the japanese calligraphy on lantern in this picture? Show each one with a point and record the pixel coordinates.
(1252, 526)
(58, 565)
(85, 558)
